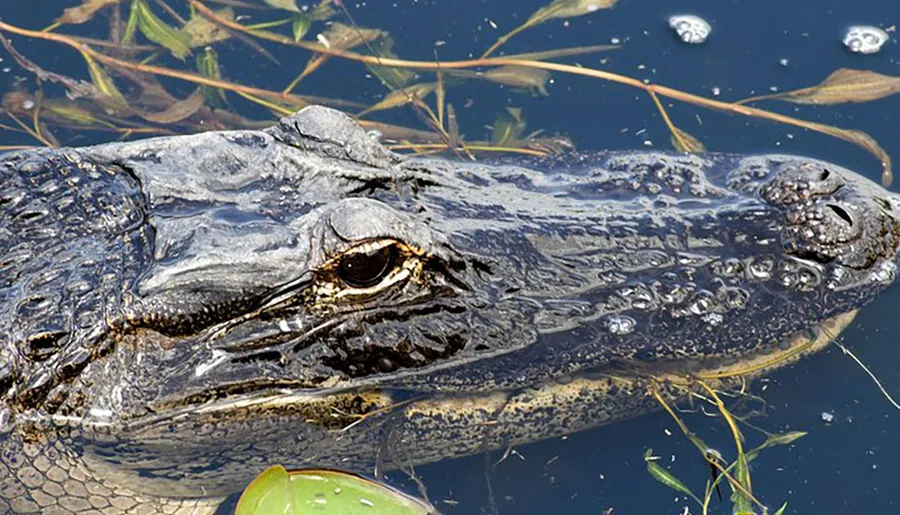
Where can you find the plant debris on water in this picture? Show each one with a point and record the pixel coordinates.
(134, 48)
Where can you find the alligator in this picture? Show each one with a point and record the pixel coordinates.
(178, 313)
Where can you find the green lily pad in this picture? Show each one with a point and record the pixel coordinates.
(324, 492)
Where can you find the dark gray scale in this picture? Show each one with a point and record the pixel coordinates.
(72, 237)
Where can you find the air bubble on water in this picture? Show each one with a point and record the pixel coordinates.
(619, 324)
(865, 39)
(28, 105)
(690, 28)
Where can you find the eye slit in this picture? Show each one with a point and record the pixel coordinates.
(366, 268)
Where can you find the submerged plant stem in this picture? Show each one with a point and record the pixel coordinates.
(860, 139)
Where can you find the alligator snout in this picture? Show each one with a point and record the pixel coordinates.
(835, 217)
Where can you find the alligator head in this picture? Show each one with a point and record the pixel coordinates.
(247, 289)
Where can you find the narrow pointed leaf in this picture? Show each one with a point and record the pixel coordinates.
(665, 477)
(389, 76)
(400, 97)
(131, 24)
(208, 66)
(287, 5)
(84, 12)
(533, 79)
(773, 440)
(561, 52)
(300, 24)
(440, 94)
(452, 127)
(568, 9)
(684, 142)
(742, 474)
(844, 85)
(156, 30)
(177, 111)
(338, 36)
(863, 140)
(781, 510)
(102, 81)
(557, 9)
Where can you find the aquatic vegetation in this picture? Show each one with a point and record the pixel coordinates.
(206, 26)
(327, 492)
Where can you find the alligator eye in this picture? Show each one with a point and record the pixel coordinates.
(365, 268)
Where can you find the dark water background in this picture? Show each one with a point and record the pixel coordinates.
(849, 466)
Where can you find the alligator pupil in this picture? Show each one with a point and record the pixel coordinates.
(367, 268)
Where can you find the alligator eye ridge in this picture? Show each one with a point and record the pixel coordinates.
(365, 268)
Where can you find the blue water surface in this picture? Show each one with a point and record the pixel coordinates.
(847, 466)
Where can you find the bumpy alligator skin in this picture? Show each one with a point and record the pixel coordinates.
(178, 313)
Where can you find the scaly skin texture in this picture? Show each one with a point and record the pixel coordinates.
(176, 314)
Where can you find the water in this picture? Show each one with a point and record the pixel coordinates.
(846, 465)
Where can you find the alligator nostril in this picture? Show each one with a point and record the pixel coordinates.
(842, 213)
(825, 174)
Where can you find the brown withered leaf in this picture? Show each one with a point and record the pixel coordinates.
(844, 85)
(204, 32)
(84, 12)
(568, 9)
(533, 79)
(177, 111)
(557, 9)
(338, 36)
(399, 97)
(684, 142)
(860, 139)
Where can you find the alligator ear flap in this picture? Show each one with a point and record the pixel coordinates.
(331, 133)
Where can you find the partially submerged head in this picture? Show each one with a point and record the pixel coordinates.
(307, 260)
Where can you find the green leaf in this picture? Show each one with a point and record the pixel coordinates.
(201, 31)
(773, 440)
(508, 127)
(131, 24)
(392, 78)
(665, 477)
(208, 66)
(102, 81)
(177, 41)
(325, 492)
(300, 24)
(287, 5)
(781, 510)
(742, 475)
